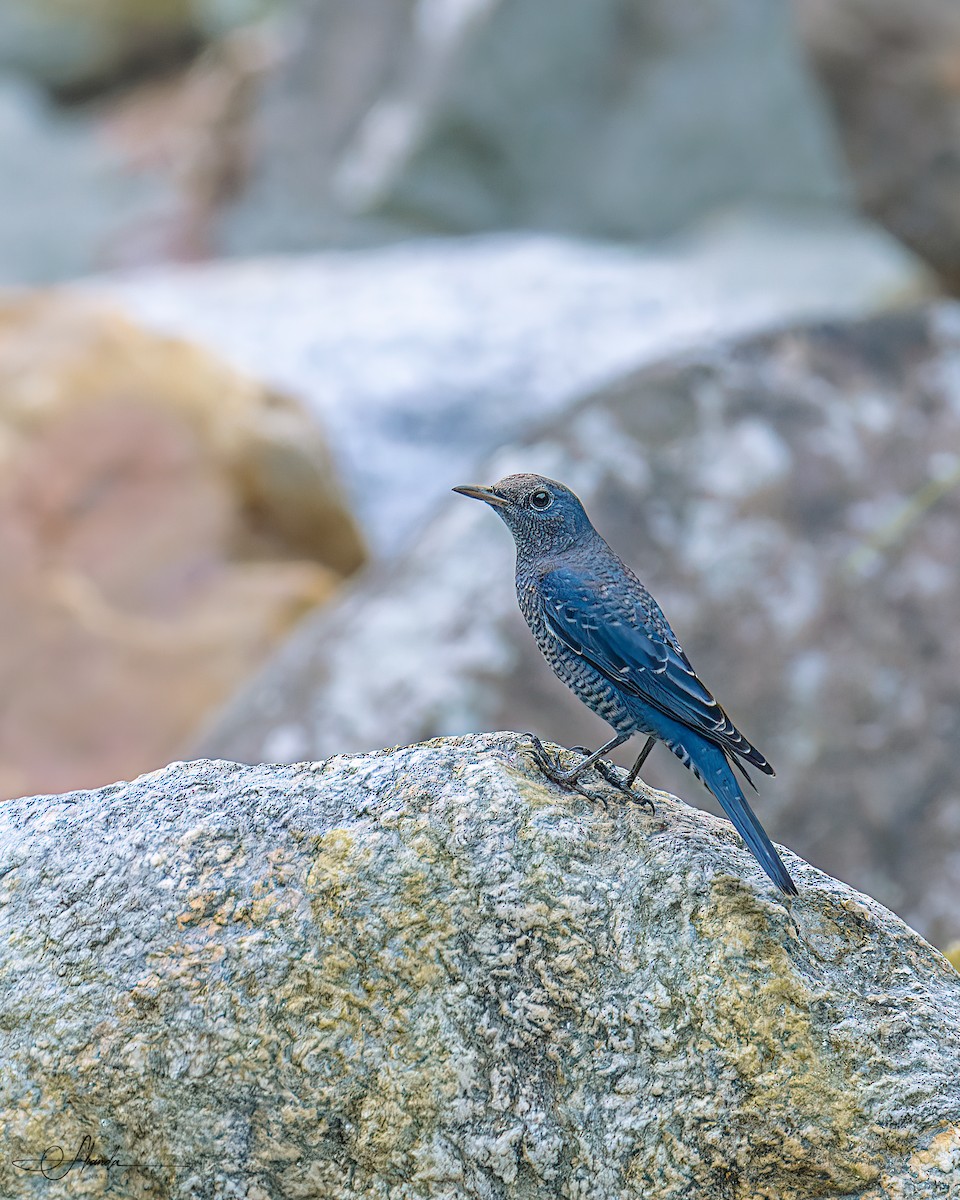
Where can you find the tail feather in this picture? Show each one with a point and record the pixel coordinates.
(710, 765)
(743, 771)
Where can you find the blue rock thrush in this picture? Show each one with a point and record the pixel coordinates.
(604, 635)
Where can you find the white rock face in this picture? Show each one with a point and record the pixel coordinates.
(427, 973)
(422, 358)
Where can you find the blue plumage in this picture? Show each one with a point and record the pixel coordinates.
(605, 636)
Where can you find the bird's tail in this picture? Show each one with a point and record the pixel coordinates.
(710, 765)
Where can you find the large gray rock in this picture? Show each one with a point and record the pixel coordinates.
(793, 502)
(891, 75)
(420, 359)
(427, 973)
(623, 118)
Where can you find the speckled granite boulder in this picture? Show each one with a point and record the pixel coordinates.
(427, 973)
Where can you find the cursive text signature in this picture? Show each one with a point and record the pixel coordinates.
(55, 1162)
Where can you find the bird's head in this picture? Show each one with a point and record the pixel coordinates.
(544, 516)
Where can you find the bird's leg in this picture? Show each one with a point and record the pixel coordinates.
(601, 767)
(542, 758)
(641, 759)
(564, 778)
(595, 760)
(608, 773)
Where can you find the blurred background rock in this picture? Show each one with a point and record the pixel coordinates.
(325, 258)
(163, 521)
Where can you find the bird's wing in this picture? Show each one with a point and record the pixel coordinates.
(637, 652)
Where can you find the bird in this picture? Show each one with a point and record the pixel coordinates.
(607, 639)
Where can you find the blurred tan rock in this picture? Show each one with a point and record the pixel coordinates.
(77, 49)
(891, 73)
(163, 521)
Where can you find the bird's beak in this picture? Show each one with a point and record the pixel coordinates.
(487, 495)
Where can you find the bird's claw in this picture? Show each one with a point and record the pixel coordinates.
(608, 771)
(549, 767)
(569, 779)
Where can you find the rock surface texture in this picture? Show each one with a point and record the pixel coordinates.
(428, 973)
(793, 502)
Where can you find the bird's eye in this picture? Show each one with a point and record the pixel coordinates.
(540, 499)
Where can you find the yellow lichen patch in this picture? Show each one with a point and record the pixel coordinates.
(795, 1093)
(407, 931)
(941, 1157)
(203, 904)
(383, 929)
(934, 1168)
(334, 852)
(533, 794)
(952, 955)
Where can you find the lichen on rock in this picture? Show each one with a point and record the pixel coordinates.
(428, 972)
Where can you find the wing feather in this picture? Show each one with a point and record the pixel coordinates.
(639, 653)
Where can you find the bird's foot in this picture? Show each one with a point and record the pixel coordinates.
(570, 779)
(549, 767)
(603, 799)
(609, 773)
